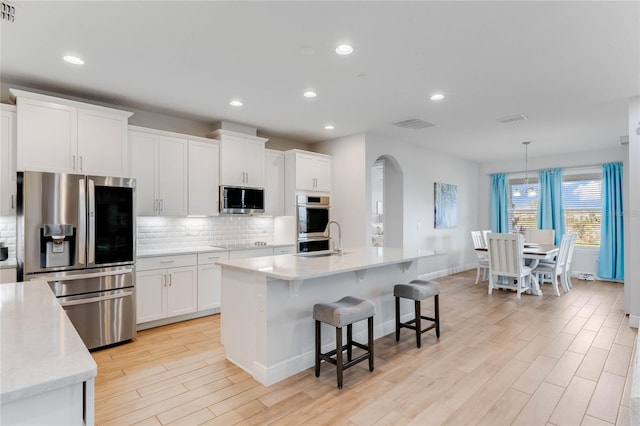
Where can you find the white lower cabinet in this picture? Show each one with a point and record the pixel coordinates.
(7, 275)
(244, 254)
(166, 287)
(284, 250)
(210, 280)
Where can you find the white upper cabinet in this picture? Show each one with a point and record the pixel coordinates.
(59, 135)
(204, 163)
(159, 163)
(274, 183)
(7, 161)
(242, 158)
(312, 171)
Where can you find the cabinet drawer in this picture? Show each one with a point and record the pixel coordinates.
(243, 254)
(209, 258)
(284, 250)
(160, 262)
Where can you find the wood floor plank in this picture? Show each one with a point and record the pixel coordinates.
(606, 397)
(491, 365)
(573, 404)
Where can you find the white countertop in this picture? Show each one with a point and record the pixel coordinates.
(292, 267)
(40, 349)
(202, 249)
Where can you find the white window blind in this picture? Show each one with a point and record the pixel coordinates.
(581, 191)
(523, 209)
(582, 201)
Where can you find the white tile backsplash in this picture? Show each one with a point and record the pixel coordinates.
(166, 232)
(8, 234)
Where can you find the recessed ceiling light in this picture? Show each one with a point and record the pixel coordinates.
(235, 103)
(344, 49)
(437, 96)
(310, 94)
(73, 60)
(329, 127)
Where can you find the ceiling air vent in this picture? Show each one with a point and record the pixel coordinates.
(7, 10)
(413, 124)
(512, 118)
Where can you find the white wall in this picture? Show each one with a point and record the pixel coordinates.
(632, 219)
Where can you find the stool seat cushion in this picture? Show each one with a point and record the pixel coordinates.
(416, 289)
(345, 311)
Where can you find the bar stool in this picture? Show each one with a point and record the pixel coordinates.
(345, 311)
(417, 290)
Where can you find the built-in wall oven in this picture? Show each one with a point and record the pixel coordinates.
(78, 233)
(313, 217)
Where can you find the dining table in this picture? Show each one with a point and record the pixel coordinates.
(534, 253)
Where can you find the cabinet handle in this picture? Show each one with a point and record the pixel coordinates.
(155, 205)
(170, 280)
(81, 163)
(167, 261)
(213, 258)
(12, 206)
(161, 204)
(73, 157)
(247, 177)
(163, 280)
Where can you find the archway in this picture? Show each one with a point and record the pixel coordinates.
(386, 203)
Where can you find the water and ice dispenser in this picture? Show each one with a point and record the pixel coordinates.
(57, 245)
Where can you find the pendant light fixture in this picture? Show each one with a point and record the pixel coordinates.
(531, 191)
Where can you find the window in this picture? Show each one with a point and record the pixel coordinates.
(582, 195)
(581, 191)
(523, 209)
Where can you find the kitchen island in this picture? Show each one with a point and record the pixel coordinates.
(46, 372)
(267, 303)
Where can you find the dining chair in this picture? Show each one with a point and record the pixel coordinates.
(540, 236)
(506, 259)
(549, 271)
(483, 257)
(484, 236)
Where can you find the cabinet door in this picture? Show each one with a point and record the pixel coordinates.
(313, 173)
(171, 174)
(209, 287)
(47, 136)
(7, 163)
(203, 178)
(254, 163)
(274, 183)
(182, 291)
(232, 162)
(143, 169)
(305, 172)
(102, 144)
(151, 296)
(322, 171)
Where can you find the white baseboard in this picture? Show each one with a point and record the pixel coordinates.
(449, 271)
(165, 321)
(280, 371)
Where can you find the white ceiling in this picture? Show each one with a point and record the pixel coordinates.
(570, 66)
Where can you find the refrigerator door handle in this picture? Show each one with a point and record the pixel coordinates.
(96, 299)
(82, 222)
(91, 256)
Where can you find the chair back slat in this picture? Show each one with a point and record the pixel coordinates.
(506, 254)
(478, 241)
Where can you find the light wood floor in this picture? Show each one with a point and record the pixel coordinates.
(542, 360)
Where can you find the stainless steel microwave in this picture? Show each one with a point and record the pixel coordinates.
(241, 200)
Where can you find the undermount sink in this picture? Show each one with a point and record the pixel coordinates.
(324, 253)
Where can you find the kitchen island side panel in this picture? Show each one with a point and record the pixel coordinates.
(267, 323)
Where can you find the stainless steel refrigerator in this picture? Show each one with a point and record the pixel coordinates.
(78, 233)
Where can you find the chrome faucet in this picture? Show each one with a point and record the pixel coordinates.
(327, 233)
